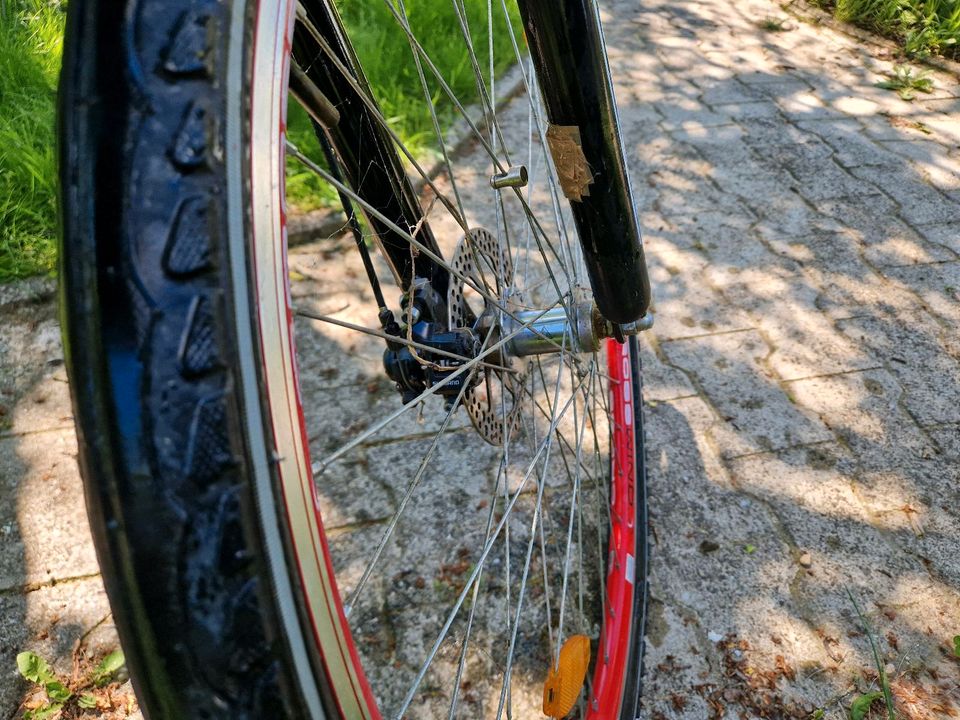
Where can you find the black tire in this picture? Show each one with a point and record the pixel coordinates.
(145, 293)
(150, 305)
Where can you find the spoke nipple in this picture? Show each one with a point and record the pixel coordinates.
(514, 177)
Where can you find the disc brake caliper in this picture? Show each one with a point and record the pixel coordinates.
(426, 351)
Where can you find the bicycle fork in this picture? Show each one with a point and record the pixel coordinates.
(566, 44)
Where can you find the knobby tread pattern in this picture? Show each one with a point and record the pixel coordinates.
(199, 350)
(185, 504)
(187, 249)
(218, 620)
(191, 47)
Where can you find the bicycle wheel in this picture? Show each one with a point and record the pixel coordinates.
(280, 533)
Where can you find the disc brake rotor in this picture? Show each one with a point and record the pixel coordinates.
(493, 401)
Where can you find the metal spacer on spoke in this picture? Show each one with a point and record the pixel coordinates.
(514, 177)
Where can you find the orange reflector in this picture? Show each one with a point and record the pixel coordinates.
(564, 683)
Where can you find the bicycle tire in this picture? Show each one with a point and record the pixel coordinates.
(177, 445)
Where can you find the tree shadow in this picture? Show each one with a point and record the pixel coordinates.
(801, 229)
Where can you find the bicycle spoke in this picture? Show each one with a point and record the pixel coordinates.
(539, 232)
(549, 478)
(320, 465)
(574, 505)
(391, 526)
(521, 592)
(479, 565)
(393, 338)
(292, 149)
(374, 110)
(428, 99)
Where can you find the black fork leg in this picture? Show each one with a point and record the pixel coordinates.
(566, 42)
(365, 151)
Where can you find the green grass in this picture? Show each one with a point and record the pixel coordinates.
(387, 60)
(924, 27)
(30, 33)
(30, 48)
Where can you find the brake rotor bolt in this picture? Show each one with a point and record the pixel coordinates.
(515, 177)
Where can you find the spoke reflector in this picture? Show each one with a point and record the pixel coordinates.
(565, 681)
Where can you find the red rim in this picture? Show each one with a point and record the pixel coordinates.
(613, 649)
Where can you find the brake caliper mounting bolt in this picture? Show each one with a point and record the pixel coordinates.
(514, 177)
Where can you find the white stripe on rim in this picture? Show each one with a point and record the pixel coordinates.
(273, 330)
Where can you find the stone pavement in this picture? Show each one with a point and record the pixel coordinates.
(803, 385)
(802, 381)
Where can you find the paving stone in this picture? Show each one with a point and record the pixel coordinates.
(884, 239)
(768, 135)
(864, 409)
(44, 406)
(730, 93)
(765, 78)
(855, 105)
(780, 298)
(684, 304)
(914, 348)
(700, 136)
(919, 203)
(816, 176)
(851, 147)
(49, 621)
(806, 106)
(764, 608)
(947, 106)
(726, 237)
(42, 517)
(797, 304)
(933, 161)
(842, 298)
(947, 438)
(33, 391)
(683, 193)
(784, 213)
(745, 112)
(836, 267)
(737, 169)
(911, 501)
(660, 381)
(945, 235)
(938, 284)
(703, 526)
(807, 344)
(731, 368)
(896, 124)
(839, 252)
(814, 499)
(337, 415)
